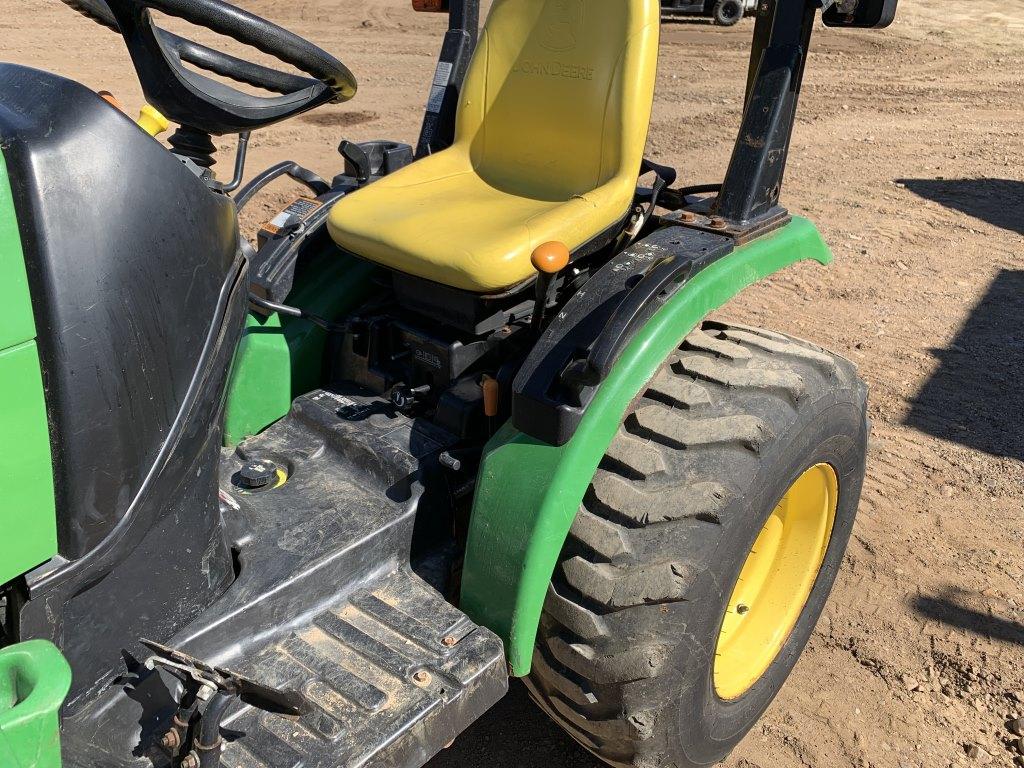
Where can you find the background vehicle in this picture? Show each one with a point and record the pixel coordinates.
(723, 12)
(306, 502)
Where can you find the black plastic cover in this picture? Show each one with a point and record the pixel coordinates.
(138, 292)
(126, 252)
(577, 351)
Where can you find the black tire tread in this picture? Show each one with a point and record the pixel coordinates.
(647, 516)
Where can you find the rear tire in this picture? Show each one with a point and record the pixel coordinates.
(625, 657)
(727, 12)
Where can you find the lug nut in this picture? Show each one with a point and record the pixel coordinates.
(170, 740)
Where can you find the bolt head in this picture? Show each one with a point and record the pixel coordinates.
(448, 641)
(421, 677)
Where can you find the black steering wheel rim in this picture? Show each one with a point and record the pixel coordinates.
(189, 98)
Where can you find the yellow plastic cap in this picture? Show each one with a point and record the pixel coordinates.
(152, 122)
(550, 258)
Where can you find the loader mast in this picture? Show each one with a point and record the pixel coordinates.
(457, 50)
(753, 183)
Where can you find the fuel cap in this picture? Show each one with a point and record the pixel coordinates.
(257, 474)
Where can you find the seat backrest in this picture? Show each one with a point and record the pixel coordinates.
(557, 101)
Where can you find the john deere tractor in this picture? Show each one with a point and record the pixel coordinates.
(310, 498)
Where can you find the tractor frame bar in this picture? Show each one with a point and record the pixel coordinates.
(753, 182)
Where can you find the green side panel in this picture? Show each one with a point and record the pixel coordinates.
(28, 521)
(280, 358)
(28, 527)
(34, 679)
(528, 492)
(16, 323)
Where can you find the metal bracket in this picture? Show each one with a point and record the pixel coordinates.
(189, 669)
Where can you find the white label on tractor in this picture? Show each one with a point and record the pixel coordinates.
(441, 77)
(341, 400)
(297, 212)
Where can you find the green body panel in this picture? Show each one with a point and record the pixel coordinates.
(34, 679)
(280, 358)
(16, 323)
(28, 523)
(528, 492)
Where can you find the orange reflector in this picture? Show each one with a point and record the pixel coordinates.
(111, 99)
(430, 6)
(491, 392)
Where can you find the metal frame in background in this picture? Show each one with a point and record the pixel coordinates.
(460, 41)
(750, 193)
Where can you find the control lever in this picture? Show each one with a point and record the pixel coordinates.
(407, 398)
(218, 688)
(357, 156)
(548, 259)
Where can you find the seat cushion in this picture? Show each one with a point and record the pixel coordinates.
(549, 139)
(439, 220)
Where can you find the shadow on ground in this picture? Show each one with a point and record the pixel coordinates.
(998, 201)
(515, 734)
(950, 607)
(976, 397)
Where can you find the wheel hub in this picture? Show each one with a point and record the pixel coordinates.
(776, 581)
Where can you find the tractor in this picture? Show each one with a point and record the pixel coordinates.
(455, 415)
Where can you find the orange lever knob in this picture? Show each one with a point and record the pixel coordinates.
(491, 396)
(550, 258)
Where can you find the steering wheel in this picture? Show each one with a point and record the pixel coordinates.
(191, 99)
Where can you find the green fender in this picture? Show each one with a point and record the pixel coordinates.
(528, 492)
(34, 679)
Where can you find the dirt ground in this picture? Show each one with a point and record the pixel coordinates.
(908, 156)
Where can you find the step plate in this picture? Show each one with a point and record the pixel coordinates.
(325, 601)
(392, 676)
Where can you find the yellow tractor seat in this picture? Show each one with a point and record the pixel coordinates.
(549, 140)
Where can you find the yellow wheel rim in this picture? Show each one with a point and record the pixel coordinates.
(776, 581)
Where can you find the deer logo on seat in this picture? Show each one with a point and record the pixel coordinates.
(562, 21)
